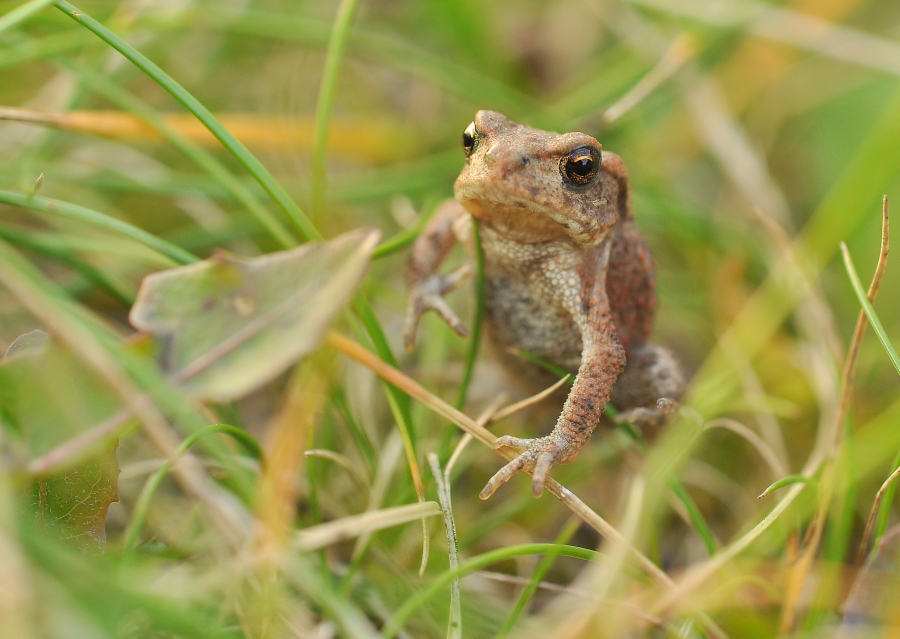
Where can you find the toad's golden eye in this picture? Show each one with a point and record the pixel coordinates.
(470, 139)
(580, 166)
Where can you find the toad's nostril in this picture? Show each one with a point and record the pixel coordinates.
(491, 155)
(524, 160)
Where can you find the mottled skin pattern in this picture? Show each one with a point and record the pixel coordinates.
(568, 278)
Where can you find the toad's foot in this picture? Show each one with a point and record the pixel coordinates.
(537, 456)
(648, 418)
(429, 295)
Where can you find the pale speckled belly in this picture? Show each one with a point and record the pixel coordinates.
(517, 320)
(523, 306)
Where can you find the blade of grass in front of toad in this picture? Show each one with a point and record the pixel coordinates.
(477, 319)
(474, 339)
(192, 104)
(194, 152)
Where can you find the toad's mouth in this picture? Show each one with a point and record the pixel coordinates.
(528, 221)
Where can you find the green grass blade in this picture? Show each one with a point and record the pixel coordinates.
(63, 254)
(318, 186)
(99, 220)
(380, 343)
(192, 104)
(139, 515)
(537, 576)
(883, 516)
(401, 410)
(360, 436)
(402, 239)
(476, 563)
(202, 158)
(50, 46)
(867, 307)
(477, 320)
(696, 517)
(22, 12)
(558, 371)
(784, 481)
(863, 298)
(113, 599)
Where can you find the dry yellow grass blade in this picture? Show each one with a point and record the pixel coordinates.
(800, 570)
(369, 139)
(286, 438)
(512, 409)
(350, 527)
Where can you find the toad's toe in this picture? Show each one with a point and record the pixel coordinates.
(646, 418)
(537, 458)
(508, 441)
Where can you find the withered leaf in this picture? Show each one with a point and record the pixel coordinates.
(228, 325)
(47, 398)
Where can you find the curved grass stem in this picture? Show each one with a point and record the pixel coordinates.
(99, 220)
(155, 480)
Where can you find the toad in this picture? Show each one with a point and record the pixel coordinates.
(568, 278)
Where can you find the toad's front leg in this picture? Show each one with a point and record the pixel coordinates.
(426, 286)
(602, 361)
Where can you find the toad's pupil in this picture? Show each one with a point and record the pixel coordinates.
(470, 139)
(582, 166)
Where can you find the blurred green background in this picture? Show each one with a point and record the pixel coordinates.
(757, 136)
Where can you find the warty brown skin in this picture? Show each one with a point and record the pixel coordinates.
(568, 278)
